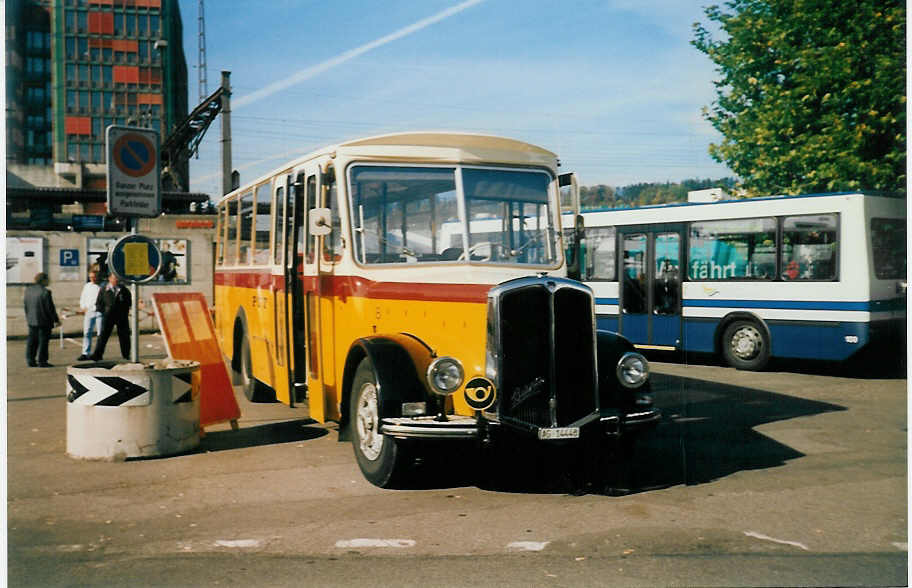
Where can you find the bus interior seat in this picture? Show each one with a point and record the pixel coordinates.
(451, 254)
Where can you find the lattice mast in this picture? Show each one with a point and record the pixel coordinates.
(201, 55)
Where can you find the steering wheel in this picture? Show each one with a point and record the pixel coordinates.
(480, 245)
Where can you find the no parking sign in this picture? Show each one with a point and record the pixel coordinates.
(133, 172)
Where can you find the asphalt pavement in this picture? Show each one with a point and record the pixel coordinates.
(779, 478)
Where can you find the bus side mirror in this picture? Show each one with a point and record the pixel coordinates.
(570, 193)
(320, 221)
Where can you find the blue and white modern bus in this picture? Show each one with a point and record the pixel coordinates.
(817, 277)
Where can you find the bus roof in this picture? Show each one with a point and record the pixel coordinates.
(449, 146)
(743, 200)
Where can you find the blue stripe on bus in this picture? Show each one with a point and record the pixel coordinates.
(867, 306)
(794, 340)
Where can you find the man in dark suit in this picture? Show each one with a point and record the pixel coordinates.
(113, 303)
(41, 317)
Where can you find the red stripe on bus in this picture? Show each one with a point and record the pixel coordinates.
(355, 286)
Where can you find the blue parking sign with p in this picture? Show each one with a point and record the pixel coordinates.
(69, 258)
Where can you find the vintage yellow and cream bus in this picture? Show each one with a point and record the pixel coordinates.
(413, 287)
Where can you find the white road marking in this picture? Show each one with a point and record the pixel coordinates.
(528, 545)
(782, 541)
(351, 543)
(238, 543)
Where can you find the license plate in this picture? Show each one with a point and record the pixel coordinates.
(559, 433)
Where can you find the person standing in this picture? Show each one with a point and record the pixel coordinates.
(113, 303)
(41, 317)
(91, 322)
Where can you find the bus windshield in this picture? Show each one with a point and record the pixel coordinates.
(403, 214)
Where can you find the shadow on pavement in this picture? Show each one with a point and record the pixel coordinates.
(707, 432)
(268, 434)
(881, 361)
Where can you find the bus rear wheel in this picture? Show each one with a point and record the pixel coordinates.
(745, 346)
(254, 390)
(380, 457)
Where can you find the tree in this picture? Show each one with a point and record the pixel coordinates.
(600, 196)
(812, 93)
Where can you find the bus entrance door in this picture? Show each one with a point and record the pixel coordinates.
(310, 295)
(650, 286)
(282, 289)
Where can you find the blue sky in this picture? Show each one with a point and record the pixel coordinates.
(613, 86)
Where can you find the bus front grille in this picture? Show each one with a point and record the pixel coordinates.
(541, 338)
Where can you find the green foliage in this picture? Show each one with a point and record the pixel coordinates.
(812, 93)
(600, 196)
(644, 194)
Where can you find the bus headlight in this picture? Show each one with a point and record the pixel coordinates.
(632, 370)
(445, 375)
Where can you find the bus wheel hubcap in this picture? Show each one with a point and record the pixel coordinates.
(746, 343)
(370, 440)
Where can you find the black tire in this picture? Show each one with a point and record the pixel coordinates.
(254, 390)
(745, 345)
(380, 457)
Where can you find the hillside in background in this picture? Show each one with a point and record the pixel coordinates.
(603, 196)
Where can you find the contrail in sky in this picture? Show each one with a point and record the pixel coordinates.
(307, 73)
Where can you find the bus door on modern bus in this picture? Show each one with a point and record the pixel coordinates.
(650, 284)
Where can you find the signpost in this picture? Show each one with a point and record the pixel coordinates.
(134, 186)
(134, 190)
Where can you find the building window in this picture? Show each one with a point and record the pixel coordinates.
(71, 47)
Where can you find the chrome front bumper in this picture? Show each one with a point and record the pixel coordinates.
(428, 427)
(465, 427)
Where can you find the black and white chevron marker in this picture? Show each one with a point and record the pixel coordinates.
(106, 391)
(117, 391)
(182, 388)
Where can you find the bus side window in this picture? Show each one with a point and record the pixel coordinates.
(601, 254)
(332, 243)
(245, 254)
(262, 223)
(278, 215)
(220, 236)
(809, 247)
(309, 203)
(231, 232)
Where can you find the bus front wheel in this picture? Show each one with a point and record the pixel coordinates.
(745, 346)
(380, 457)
